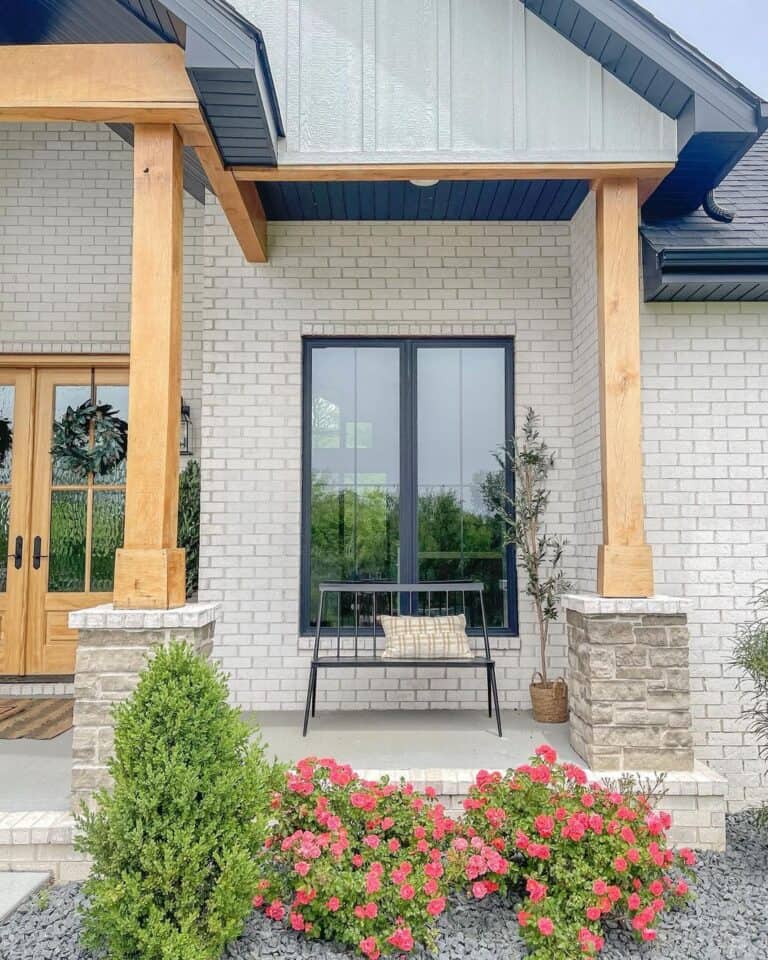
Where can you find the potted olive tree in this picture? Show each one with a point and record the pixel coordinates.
(539, 553)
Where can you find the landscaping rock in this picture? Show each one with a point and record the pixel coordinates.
(728, 920)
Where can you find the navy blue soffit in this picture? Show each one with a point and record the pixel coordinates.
(225, 57)
(718, 118)
(401, 200)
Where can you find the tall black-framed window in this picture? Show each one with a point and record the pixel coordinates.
(400, 480)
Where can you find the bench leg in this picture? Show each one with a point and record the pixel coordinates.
(488, 679)
(314, 693)
(310, 689)
(495, 693)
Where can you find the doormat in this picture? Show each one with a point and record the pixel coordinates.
(36, 718)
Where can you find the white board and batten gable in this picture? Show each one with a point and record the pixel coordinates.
(366, 81)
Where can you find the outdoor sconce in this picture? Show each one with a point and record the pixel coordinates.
(185, 448)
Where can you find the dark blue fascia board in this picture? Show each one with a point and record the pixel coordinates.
(718, 118)
(704, 273)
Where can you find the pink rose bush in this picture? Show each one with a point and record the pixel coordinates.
(575, 852)
(371, 865)
(354, 861)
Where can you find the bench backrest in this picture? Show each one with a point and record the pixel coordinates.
(358, 606)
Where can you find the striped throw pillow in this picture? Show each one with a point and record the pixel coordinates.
(417, 638)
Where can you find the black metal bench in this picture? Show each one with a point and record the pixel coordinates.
(356, 643)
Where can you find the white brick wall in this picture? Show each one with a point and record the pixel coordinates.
(705, 415)
(588, 523)
(355, 278)
(65, 246)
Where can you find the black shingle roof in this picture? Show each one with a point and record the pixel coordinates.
(697, 258)
(744, 191)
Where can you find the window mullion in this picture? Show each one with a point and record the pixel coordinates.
(408, 439)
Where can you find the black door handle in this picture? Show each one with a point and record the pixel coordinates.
(18, 552)
(37, 544)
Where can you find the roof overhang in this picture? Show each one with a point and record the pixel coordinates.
(705, 273)
(718, 119)
(225, 59)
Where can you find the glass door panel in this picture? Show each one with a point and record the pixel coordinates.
(15, 441)
(78, 505)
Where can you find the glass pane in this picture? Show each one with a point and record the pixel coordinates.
(5, 512)
(66, 561)
(355, 465)
(7, 396)
(65, 467)
(106, 537)
(461, 424)
(117, 398)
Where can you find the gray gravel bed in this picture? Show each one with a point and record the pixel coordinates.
(728, 920)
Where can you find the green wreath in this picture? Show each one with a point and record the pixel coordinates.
(6, 439)
(72, 448)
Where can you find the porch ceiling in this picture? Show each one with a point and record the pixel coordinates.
(402, 200)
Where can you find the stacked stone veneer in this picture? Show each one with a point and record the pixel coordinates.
(629, 683)
(113, 648)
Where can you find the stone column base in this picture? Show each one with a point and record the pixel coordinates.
(629, 685)
(113, 647)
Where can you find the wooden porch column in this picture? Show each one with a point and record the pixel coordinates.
(625, 564)
(149, 570)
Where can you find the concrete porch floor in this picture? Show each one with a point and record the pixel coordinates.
(412, 739)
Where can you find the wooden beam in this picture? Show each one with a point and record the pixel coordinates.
(149, 569)
(453, 171)
(625, 565)
(241, 204)
(115, 82)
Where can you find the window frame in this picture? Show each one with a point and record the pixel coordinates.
(408, 347)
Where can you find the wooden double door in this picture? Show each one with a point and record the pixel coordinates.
(60, 523)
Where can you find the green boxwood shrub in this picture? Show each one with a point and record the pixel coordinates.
(173, 842)
(189, 522)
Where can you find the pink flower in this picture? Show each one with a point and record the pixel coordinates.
(600, 888)
(372, 883)
(633, 901)
(402, 939)
(363, 801)
(648, 934)
(523, 917)
(495, 816)
(627, 834)
(633, 855)
(371, 841)
(430, 887)
(370, 948)
(433, 869)
(546, 753)
(297, 921)
(333, 904)
(435, 907)
(687, 856)
(575, 773)
(407, 892)
(536, 891)
(541, 774)
(545, 825)
(341, 775)
(546, 927)
(275, 911)
(370, 910)
(357, 860)
(681, 889)
(614, 894)
(620, 865)
(656, 887)
(460, 844)
(479, 889)
(588, 800)
(393, 844)
(594, 913)
(302, 868)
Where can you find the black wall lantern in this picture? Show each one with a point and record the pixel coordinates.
(185, 441)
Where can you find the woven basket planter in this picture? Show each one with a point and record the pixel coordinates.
(549, 700)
